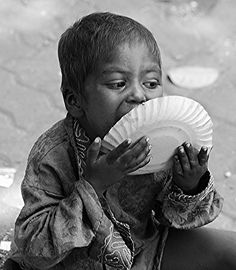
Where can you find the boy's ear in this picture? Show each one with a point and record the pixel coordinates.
(73, 103)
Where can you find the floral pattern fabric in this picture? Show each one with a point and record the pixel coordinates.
(64, 225)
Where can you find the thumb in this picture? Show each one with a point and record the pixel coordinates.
(93, 151)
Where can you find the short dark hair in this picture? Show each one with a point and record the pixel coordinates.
(91, 40)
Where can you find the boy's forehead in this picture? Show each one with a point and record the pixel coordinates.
(108, 68)
(119, 55)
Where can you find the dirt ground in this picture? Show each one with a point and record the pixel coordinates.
(188, 32)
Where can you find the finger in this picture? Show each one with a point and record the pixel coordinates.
(183, 158)
(191, 154)
(203, 156)
(93, 151)
(140, 165)
(177, 166)
(118, 151)
(134, 151)
(140, 158)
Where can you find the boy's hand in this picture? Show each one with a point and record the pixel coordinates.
(189, 166)
(105, 170)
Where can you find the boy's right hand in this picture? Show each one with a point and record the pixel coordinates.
(105, 170)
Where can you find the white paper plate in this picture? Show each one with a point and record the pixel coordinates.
(193, 76)
(168, 122)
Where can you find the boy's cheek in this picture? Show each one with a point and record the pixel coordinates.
(156, 94)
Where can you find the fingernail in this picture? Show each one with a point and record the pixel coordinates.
(187, 145)
(97, 140)
(128, 141)
(181, 149)
(204, 148)
(149, 147)
(147, 139)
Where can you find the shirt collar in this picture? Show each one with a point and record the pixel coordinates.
(79, 140)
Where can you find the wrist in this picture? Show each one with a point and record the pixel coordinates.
(98, 186)
(199, 187)
(190, 191)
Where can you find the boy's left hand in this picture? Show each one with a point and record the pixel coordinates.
(189, 166)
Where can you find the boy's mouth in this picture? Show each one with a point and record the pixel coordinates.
(130, 108)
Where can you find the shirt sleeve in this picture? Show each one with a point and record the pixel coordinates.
(181, 211)
(51, 225)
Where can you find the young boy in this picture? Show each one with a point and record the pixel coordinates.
(82, 210)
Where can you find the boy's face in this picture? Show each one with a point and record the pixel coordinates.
(132, 76)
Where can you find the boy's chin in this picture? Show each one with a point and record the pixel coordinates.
(105, 131)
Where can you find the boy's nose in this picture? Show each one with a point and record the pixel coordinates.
(137, 95)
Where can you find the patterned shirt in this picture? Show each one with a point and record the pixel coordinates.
(65, 225)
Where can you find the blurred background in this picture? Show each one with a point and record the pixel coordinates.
(189, 33)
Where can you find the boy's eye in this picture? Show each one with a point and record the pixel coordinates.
(116, 85)
(151, 84)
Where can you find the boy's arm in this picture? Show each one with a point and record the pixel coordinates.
(181, 211)
(50, 226)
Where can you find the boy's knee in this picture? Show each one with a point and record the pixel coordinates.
(11, 265)
(203, 249)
